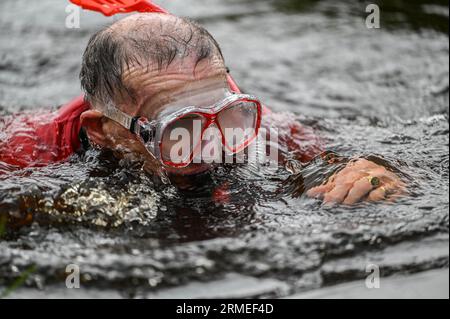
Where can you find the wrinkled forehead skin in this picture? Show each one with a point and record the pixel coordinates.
(183, 82)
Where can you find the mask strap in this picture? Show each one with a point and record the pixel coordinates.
(127, 121)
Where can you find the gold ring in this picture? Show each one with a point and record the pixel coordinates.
(373, 180)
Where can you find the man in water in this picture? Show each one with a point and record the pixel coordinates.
(151, 77)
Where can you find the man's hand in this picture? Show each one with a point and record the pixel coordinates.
(360, 180)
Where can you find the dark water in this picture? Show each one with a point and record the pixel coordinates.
(380, 93)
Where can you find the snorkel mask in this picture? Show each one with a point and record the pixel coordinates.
(175, 135)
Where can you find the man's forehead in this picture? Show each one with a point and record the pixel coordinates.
(153, 88)
(185, 65)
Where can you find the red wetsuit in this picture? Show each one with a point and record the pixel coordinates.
(38, 139)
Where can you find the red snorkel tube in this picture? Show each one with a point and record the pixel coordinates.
(112, 7)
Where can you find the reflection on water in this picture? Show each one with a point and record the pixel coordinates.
(381, 95)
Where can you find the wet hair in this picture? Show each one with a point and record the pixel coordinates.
(112, 50)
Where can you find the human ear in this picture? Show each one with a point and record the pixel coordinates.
(93, 122)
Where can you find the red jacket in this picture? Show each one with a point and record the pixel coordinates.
(31, 139)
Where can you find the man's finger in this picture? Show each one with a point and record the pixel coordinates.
(349, 177)
(396, 191)
(377, 194)
(318, 191)
(359, 190)
(338, 193)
